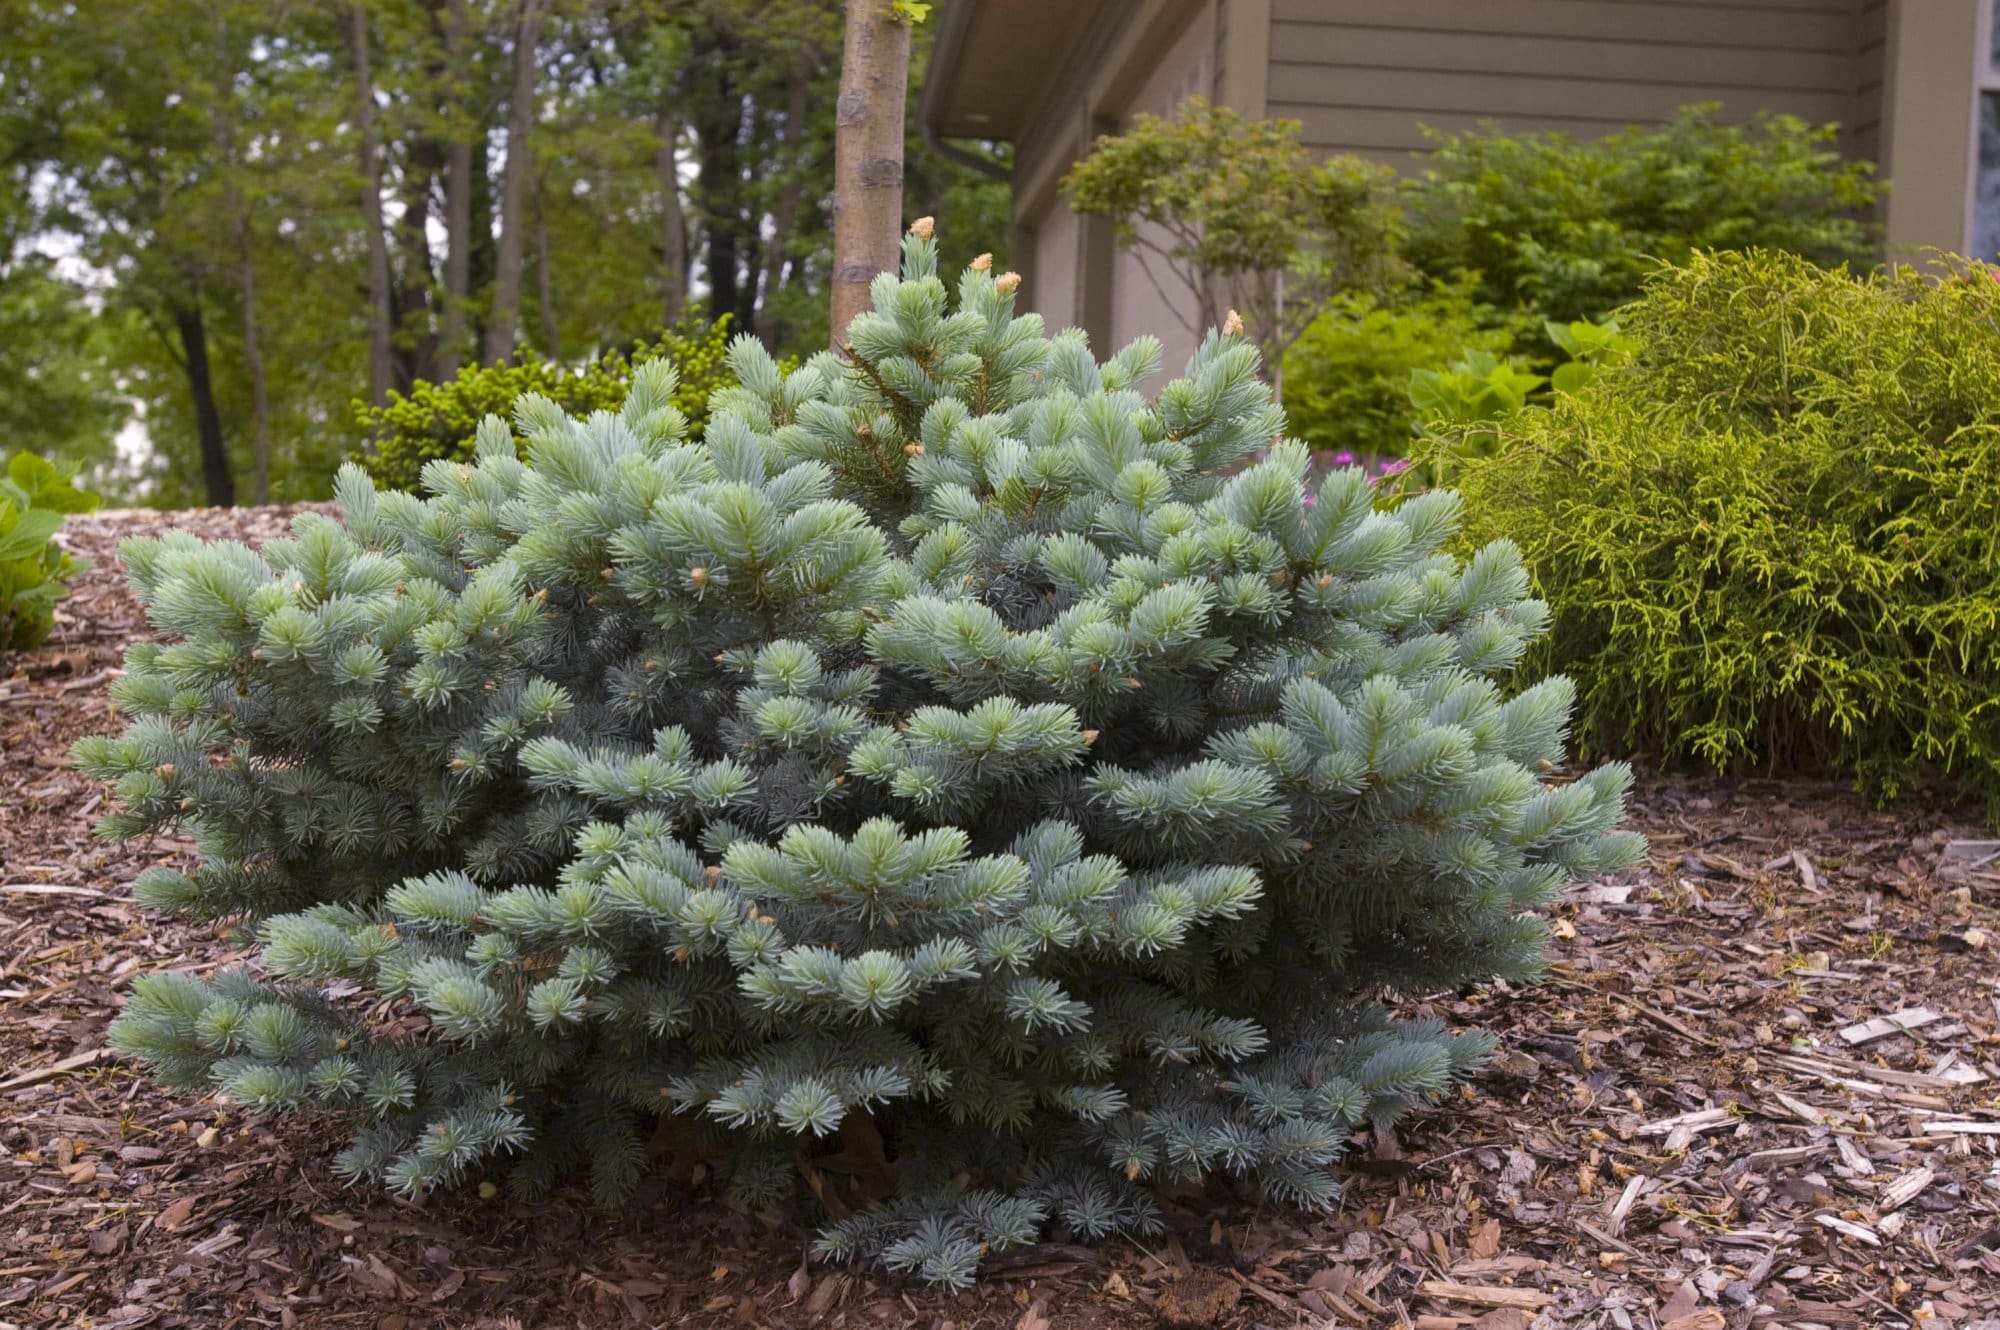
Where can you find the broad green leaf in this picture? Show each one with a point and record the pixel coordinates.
(1571, 377)
(30, 532)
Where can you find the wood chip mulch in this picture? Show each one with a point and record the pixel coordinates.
(1760, 1087)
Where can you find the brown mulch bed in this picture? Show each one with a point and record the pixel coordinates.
(1677, 1134)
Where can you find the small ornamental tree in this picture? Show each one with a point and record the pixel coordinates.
(944, 796)
(1240, 212)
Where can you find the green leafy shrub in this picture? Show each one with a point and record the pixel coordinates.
(952, 763)
(1464, 409)
(1570, 229)
(35, 496)
(438, 421)
(1478, 388)
(1769, 534)
(1347, 378)
(1587, 347)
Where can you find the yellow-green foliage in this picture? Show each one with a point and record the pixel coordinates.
(438, 420)
(1347, 377)
(1770, 535)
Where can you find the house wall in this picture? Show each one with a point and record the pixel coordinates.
(1133, 54)
(1138, 306)
(1363, 76)
(1050, 271)
(1366, 75)
(1871, 69)
(1927, 142)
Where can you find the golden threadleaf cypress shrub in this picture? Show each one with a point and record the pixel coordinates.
(1768, 536)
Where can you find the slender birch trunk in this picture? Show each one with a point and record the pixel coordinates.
(867, 155)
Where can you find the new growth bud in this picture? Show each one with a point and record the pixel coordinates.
(1007, 283)
(1233, 325)
(982, 263)
(922, 227)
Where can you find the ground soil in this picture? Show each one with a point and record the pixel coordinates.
(1677, 1133)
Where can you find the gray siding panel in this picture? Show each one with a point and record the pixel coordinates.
(1363, 76)
(1382, 133)
(1506, 96)
(1702, 24)
(1871, 59)
(1223, 51)
(1561, 57)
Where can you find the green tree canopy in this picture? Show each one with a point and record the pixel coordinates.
(212, 164)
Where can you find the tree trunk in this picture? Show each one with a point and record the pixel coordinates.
(720, 188)
(479, 254)
(253, 361)
(784, 214)
(246, 282)
(545, 287)
(414, 349)
(673, 221)
(752, 254)
(503, 324)
(215, 474)
(867, 156)
(379, 325)
(457, 213)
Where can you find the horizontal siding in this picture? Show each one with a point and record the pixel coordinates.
(1507, 96)
(1815, 27)
(1871, 59)
(1365, 76)
(1872, 24)
(1379, 132)
(1871, 66)
(1221, 49)
(1302, 45)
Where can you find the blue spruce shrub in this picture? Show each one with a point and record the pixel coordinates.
(951, 762)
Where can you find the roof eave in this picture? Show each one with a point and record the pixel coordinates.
(954, 21)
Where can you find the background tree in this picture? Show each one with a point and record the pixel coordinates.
(58, 393)
(1240, 215)
(234, 201)
(501, 325)
(379, 317)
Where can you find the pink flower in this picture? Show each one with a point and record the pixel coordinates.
(1343, 459)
